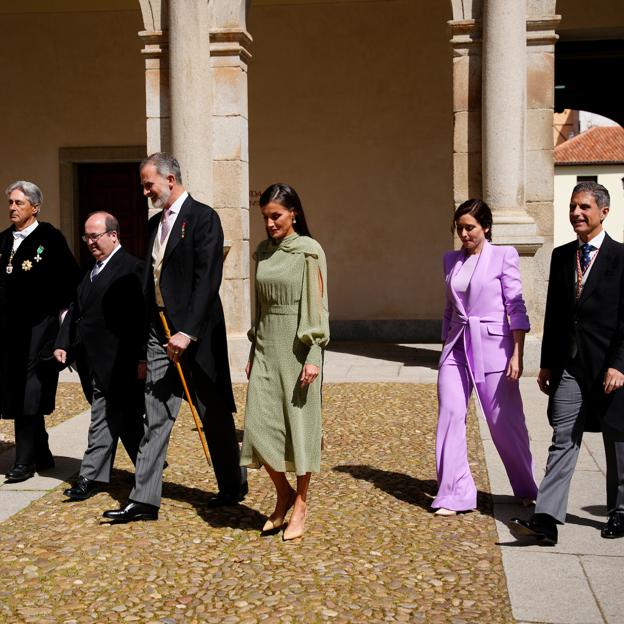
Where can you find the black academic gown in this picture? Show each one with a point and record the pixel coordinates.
(40, 286)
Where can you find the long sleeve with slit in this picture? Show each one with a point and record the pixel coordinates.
(283, 419)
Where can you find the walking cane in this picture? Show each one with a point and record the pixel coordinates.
(198, 423)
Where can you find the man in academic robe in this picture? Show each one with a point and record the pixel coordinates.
(184, 267)
(582, 364)
(105, 332)
(38, 276)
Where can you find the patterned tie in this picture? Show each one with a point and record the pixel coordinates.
(586, 249)
(164, 226)
(96, 269)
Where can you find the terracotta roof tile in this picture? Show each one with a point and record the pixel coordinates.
(600, 144)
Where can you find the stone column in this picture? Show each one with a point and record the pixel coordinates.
(505, 152)
(466, 45)
(504, 123)
(539, 190)
(191, 95)
(156, 54)
(229, 53)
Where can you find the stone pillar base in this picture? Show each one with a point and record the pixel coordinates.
(517, 229)
(238, 350)
(532, 350)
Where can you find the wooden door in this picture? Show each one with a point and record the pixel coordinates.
(114, 188)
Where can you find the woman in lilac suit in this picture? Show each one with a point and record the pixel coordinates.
(483, 330)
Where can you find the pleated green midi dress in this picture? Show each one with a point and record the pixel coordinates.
(282, 418)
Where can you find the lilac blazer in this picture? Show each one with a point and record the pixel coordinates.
(494, 307)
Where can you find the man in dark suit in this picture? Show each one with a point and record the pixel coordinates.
(38, 276)
(182, 278)
(582, 364)
(105, 331)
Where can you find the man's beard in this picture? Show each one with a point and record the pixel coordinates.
(161, 201)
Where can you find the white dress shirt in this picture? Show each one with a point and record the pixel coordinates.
(18, 237)
(100, 264)
(172, 214)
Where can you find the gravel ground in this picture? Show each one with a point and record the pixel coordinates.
(372, 551)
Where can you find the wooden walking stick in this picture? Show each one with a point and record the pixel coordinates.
(196, 418)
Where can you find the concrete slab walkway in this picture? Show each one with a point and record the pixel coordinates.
(580, 580)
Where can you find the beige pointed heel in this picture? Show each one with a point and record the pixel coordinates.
(274, 524)
(295, 534)
(442, 511)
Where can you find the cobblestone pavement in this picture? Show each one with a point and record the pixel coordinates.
(69, 402)
(372, 551)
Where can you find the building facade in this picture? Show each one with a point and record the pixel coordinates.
(383, 114)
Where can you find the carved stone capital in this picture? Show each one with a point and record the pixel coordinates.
(230, 42)
(542, 30)
(465, 34)
(155, 43)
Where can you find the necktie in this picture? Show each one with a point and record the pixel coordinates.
(96, 269)
(164, 226)
(586, 248)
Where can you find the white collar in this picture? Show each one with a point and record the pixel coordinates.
(110, 255)
(597, 241)
(177, 204)
(26, 231)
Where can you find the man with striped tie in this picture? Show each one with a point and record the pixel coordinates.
(582, 364)
(104, 331)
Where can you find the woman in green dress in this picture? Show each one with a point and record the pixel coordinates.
(283, 415)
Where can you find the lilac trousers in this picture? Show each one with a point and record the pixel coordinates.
(502, 406)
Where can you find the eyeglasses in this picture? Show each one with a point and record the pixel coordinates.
(94, 237)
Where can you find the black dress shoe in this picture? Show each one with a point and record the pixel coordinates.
(83, 489)
(20, 472)
(132, 511)
(227, 499)
(614, 527)
(540, 526)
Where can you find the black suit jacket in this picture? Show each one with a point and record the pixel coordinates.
(595, 322)
(189, 282)
(105, 327)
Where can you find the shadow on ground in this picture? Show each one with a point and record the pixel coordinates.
(236, 516)
(419, 492)
(408, 356)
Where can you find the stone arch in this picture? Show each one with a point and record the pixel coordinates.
(464, 10)
(155, 15)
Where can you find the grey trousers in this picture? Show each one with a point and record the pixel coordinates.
(110, 421)
(163, 397)
(567, 419)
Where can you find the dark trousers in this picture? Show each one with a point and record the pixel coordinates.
(31, 440)
(163, 397)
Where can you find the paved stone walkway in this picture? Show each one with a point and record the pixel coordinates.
(372, 551)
